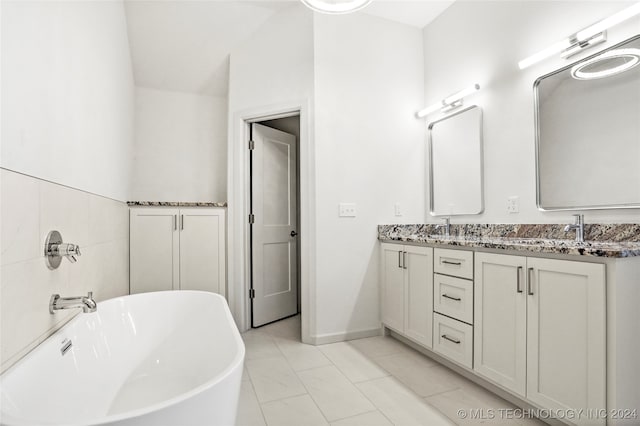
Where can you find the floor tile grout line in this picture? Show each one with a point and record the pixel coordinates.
(440, 393)
(377, 410)
(365, 395)
(455, 421)
(333, 364)
(311, 396)
(356, 388)
(411, 391)
(300, 380)
(423, 399)
(264, 418)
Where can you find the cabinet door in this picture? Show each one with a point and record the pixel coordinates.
(154, 262)
(202, 250)
(566, 344)
(500, 320)
(392, 291)
(418, 294)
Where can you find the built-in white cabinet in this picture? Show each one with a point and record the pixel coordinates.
(407, 291)
(540, 329)
(177, 249)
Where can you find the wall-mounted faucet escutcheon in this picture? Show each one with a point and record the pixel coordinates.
(55, 249)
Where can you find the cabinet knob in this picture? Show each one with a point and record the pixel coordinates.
(293, 233)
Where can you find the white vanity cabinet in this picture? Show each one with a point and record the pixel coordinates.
(177, 249)
(540, 329)
(407, 291)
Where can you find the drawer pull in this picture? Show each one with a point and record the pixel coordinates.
(518, 283)
(530, 282)
(451, 339)
(457, 299)
(452, 263)
(399, 259)
(404, 259)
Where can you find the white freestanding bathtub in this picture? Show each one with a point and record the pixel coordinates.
(165, 358)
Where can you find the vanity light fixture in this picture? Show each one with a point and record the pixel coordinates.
(449, 103)
(583, 39)
(335, 6)
(590, 70)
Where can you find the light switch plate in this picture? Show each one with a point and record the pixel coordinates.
(397, 209)
(347, 210)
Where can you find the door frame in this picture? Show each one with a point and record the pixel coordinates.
(238, 235)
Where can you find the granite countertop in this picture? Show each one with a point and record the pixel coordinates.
(622, 242)
(175, 204)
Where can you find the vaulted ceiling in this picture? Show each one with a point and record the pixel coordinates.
(184, 45)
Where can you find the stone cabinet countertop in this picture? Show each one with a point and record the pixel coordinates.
(506, 237)
(175, 204)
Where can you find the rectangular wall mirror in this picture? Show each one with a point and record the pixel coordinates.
(455, 164)
(588, 132)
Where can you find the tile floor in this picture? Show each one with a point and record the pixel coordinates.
(366, 382)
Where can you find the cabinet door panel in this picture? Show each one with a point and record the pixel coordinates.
(418, 320)
(566, 344)
(202, 260)
(500, 320)
(392, 287)
(154, 262)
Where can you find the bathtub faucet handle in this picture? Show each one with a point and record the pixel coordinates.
(55, 250)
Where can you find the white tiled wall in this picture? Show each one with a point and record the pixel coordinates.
(30, 208)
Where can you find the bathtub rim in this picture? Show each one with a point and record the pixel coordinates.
(238, 361)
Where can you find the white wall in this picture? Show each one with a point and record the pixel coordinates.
(67, 94)
(370, 150)
(180, 150)
(30, 208)
(488, 41)
(67, 114)
(272, 71)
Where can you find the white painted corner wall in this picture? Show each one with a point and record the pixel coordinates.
(180, 149)
(370, 150)
(67, 98)
(272, 72)
(364, 79)
(491, 38)
(67, 94)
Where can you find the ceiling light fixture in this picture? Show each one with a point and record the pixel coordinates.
(583, 39)
(449, 103)
(623, 60)
(336, 6)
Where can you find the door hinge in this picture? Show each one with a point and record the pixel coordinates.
(252, 218)
(252, 293)
(252, 145)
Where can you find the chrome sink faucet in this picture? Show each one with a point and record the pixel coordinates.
(578, 226)
(87, 303)
(446, 226)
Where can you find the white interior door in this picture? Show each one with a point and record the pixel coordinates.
(274, 231)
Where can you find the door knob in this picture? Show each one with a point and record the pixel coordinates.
(293, 233)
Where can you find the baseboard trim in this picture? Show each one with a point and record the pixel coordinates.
(324, 339)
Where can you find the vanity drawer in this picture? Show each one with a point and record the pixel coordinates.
(457, 263)
(453, 297)
(453, 339)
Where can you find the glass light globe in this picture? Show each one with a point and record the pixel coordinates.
(336, 6)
